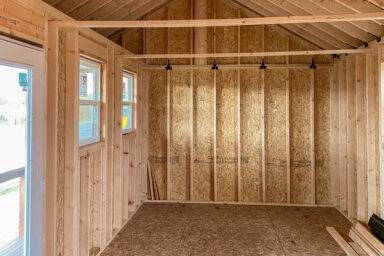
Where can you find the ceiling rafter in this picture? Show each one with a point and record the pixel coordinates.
(278, 10)
(278, 28)
(326, 27)
(361, 6)
(67, 6)
(355, 38)
(110, 8)
(135, 13)
(52, 2)
(369, 27)
(88, 8)
(141, 6)
(294, 28)
(350, 33)
(378, 3)
(314, 7)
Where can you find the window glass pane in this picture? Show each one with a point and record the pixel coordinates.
(127, 88)
(130, 89)
(13, 118)
(88, 83)
(12, 215)
(88, 121)
(127, 117)
(15, 82)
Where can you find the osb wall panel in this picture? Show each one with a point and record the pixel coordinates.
(295, 46)
(275, 136)
(132, 40)
(275, 42)
(251, 142)
(226, 135)
(300, 135)
(323, 59)
(180, 133)
(203, 129)
(60, 144)
(156, 40)
(251, 40)
(179, 39)
(22, 22)
(157, 139)
(226, 37)
(322, 136)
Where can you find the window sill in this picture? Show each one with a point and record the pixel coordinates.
(129, 132)
(87, 149)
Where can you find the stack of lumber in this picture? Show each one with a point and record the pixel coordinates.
(153, 189)
(362, 242)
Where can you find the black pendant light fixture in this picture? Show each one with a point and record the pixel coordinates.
(263, 65)
(313, 66)
(168, 67)
(214, 66)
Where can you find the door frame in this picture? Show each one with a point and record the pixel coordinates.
(13, 52)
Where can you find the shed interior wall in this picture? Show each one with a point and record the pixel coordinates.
(250, 132)
(287, 135)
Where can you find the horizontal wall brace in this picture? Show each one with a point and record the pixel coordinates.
(244, 54)
(220, 22)
(238, 66)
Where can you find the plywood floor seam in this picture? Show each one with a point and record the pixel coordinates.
(213, 229)
(277, 235)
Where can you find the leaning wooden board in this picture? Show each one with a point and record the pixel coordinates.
(364, 242)
(376, 243)
(341, 241)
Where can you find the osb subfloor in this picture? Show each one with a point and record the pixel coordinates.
(207, 229)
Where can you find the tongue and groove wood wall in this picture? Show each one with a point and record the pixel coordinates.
(356, 134)
(240, 133)
(89, 194)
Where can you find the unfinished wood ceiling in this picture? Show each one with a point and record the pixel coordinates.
(337, 35)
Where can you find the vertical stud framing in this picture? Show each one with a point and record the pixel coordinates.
(263, 131)
(313, 163)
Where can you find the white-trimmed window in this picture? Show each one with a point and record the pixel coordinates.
(89, 102)
(128, 103)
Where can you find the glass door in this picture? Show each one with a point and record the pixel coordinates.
(14, 137)
(22, 148)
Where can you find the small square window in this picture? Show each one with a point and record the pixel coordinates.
(89, 103)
